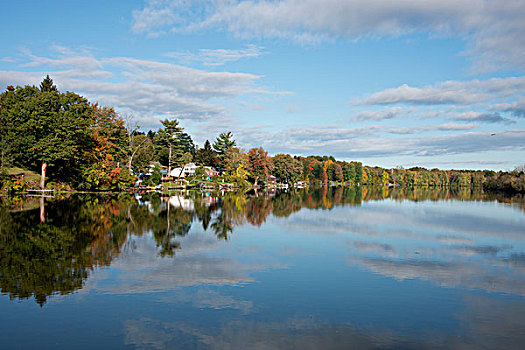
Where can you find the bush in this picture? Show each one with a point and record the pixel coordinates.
(16, 186)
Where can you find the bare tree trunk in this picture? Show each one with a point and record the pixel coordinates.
(168, 218)
(43, 175)
(130, 160)
(169, 163)
(42, 211)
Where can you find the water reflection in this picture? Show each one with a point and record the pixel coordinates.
(54, 250)
(39, 259)
(42, 256)
(329, 267)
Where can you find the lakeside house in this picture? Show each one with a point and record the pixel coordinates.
(189, 170)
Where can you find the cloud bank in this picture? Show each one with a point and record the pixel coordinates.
(492, 31)
(146, 88)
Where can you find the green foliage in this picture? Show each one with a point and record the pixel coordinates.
(206, 156)
(156, 176)
(358, 173)
(47, 85)
(221, 145)
(200, 172)
(144, 153)
(187, 158)
(170, 139)
(46, 126)
(234, 158)
(15, 186)
(97, 179)
(187, 144)
(286, 168)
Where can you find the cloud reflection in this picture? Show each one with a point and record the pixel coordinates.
(449, 244)
(143, 271)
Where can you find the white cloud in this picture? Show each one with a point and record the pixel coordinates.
(482, 117)
(516, 108)
(361, 142)
(490, 101)
(379, 115)
(449, 92)
(216, 57)
(430, 128)
(146, 88)
(493, 31)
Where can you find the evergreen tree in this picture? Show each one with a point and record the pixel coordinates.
(206, 156)
(168, 147)
(187, 143)
(47, 85)
(222, 144)
(358, 173)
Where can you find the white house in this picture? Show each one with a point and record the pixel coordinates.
(189, 170)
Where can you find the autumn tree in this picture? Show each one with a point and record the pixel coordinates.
(234, 159)
(385, 178)
(110, 132)
(326, 165)
(313, 169)
(337, 172)
(260, 165)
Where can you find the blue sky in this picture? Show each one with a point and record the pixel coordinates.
(435, 83)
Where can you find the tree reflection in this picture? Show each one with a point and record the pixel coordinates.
(55, 252)
(39, 259)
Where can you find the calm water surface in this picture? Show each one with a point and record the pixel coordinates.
(329, 268)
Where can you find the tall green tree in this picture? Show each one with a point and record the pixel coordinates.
(359, 173)
(206, 156)
(287, 168)
(187, 143)
(47, 85)
(221, 145)
(47, 128)
(168, 146)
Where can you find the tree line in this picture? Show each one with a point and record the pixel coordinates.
(68, 139)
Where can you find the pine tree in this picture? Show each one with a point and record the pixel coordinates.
(47, 85)
(168, 147)
(206, 156)
(222, 144)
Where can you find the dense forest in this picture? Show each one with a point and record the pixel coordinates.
(84, 146)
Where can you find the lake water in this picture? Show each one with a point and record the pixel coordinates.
(321, 268)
